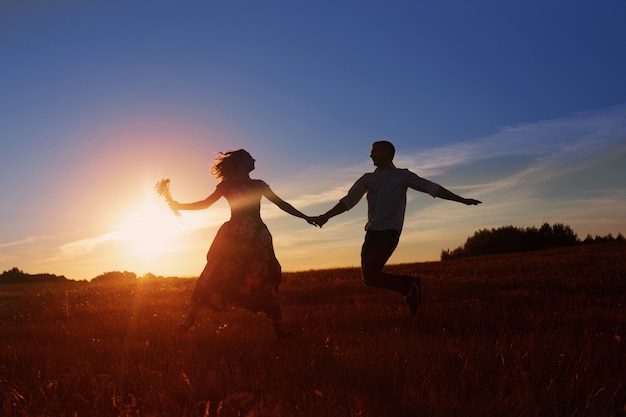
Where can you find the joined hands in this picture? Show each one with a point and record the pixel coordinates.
(318, 221)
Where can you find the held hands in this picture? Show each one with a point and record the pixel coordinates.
(318, 221)
(310, 220)
(321, 220)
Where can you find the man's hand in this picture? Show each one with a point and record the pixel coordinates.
(311, 220)
(319, 220)
(471, 202)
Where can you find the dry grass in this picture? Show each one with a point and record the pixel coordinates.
(534, 334)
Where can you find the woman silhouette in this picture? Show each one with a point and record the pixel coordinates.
(241, 267)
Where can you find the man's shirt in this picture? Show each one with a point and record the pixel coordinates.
(386, 195)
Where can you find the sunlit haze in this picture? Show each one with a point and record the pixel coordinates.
(521, 105)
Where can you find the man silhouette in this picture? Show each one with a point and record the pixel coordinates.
(386, 201)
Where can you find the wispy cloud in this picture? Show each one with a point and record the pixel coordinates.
(547, 140)
(24, 241)
(85, 246)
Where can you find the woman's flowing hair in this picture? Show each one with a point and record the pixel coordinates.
(228, 164)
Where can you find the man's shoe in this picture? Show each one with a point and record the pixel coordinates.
(414, 297)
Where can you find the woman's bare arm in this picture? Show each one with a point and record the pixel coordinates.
(197, 205)
(285, 206)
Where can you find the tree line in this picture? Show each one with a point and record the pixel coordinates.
(17, 276)
(508, 239)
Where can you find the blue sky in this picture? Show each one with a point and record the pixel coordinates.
(521, 104)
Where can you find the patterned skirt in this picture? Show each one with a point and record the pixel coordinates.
(241, 269)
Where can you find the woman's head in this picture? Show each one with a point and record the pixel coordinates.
(232, 163)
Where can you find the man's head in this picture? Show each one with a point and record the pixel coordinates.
(382, 153)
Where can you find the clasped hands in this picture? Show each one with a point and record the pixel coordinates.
(318, 221)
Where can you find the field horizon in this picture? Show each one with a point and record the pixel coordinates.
(522, 334)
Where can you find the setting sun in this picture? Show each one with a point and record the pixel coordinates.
(151, 229)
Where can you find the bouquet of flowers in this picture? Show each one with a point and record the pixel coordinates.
(163, 189)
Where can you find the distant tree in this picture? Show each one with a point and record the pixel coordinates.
(13, 275)
(605, 238)
(17, 276)
(558, 235)
(454, 254)
(588, 239)
(602, 239)
(115, 277)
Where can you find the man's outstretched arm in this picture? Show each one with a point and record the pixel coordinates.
(449, 195)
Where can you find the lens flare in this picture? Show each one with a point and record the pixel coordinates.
(150, 230)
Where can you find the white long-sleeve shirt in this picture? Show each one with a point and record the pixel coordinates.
(386, 195)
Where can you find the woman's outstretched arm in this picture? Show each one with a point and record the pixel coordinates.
(285, 206)
(198, 205)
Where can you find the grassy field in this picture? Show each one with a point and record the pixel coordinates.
(531, 334)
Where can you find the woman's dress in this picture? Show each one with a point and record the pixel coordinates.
(241, 267)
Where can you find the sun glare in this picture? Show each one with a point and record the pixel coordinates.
(151, 229)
